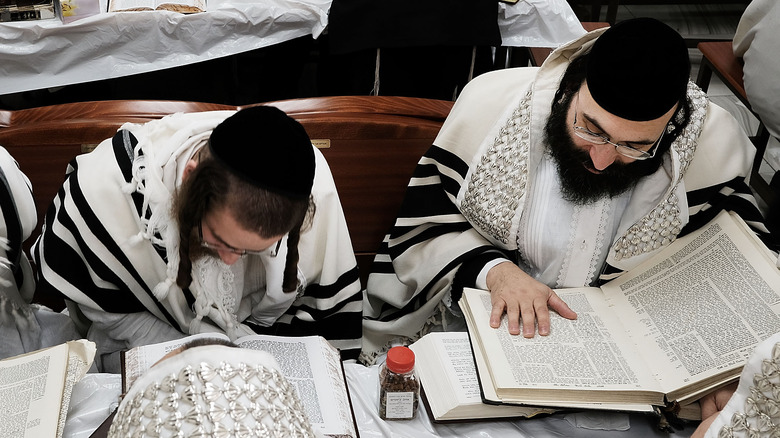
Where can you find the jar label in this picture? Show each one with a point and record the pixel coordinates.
(400, 404)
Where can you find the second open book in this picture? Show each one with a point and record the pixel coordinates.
(671, 329)
(310, 363)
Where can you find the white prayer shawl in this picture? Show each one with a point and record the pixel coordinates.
(23, 327)
(162, 152)
(107, 245)
(477, 179)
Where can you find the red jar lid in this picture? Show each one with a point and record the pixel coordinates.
(400, 359)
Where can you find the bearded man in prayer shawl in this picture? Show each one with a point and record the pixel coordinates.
(202, 222)
(560, 176)
(212, 391)
(24, 327)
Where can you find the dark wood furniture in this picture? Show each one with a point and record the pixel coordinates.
(718, 58)
(372, 144)
(612, 5)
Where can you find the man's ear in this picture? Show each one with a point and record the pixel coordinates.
(188, 168)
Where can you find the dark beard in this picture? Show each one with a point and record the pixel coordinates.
(579, 185)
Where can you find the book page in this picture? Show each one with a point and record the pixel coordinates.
(137, 360)
(31, 387)
(182, 6)
(590, 355)
(453, 350)
(314, 367)
(489, 395)
(700, 311)
(309, 363)
(130, 5)
(445, 364)
(81, 354)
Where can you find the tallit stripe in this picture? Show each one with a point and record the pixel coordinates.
(324, 291)
(428, 234)
(13, 228)
(426, 201)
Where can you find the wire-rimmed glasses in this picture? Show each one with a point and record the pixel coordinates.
(623, 149)
(271, 252)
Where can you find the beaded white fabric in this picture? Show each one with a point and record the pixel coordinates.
(662, 224)
(498, 183)
(214, 274)
(207, 392)
(754, 409)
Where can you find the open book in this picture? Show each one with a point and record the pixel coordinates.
(676, 327)
(182, 6)
(35, 388)
(451, 391)
(310, 363)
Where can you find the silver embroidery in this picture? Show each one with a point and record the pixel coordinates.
(213, 272)
(662, 225)
(761, 417)
(598, 243)
(498, 182)
(596, 257)
(215, 401)
(575, 218)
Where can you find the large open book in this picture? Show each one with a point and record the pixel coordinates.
(670, 330)
(310, 363)
(451, 391)
(35, 388)
(182, 6)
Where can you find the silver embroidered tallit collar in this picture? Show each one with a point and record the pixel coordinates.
(212, 391)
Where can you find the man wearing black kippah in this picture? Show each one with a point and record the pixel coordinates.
(560, 176)
(205, 222)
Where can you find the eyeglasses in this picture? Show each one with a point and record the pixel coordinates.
(271, 252)
(622, 149)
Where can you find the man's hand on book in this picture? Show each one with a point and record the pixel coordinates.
(520, 296)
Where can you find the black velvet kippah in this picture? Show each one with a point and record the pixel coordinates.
(267, 148)
(638, 69)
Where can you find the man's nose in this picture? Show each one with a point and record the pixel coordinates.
(228, 257)
(602, 155)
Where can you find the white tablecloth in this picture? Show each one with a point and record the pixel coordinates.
(538, 23)
(47, 53)
(96, 394)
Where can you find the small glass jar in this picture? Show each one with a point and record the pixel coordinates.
(399, 387)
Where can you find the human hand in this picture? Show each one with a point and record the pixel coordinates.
(521, 296)
(711, 405)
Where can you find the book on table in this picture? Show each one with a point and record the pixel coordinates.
(310, 363)
(450, 389)
(669, 331)
(182, 6)
(36, 387)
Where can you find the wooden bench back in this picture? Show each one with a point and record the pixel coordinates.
(372, 144)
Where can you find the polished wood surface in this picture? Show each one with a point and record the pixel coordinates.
(43, 140)
(374, 143)
(718, 57)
